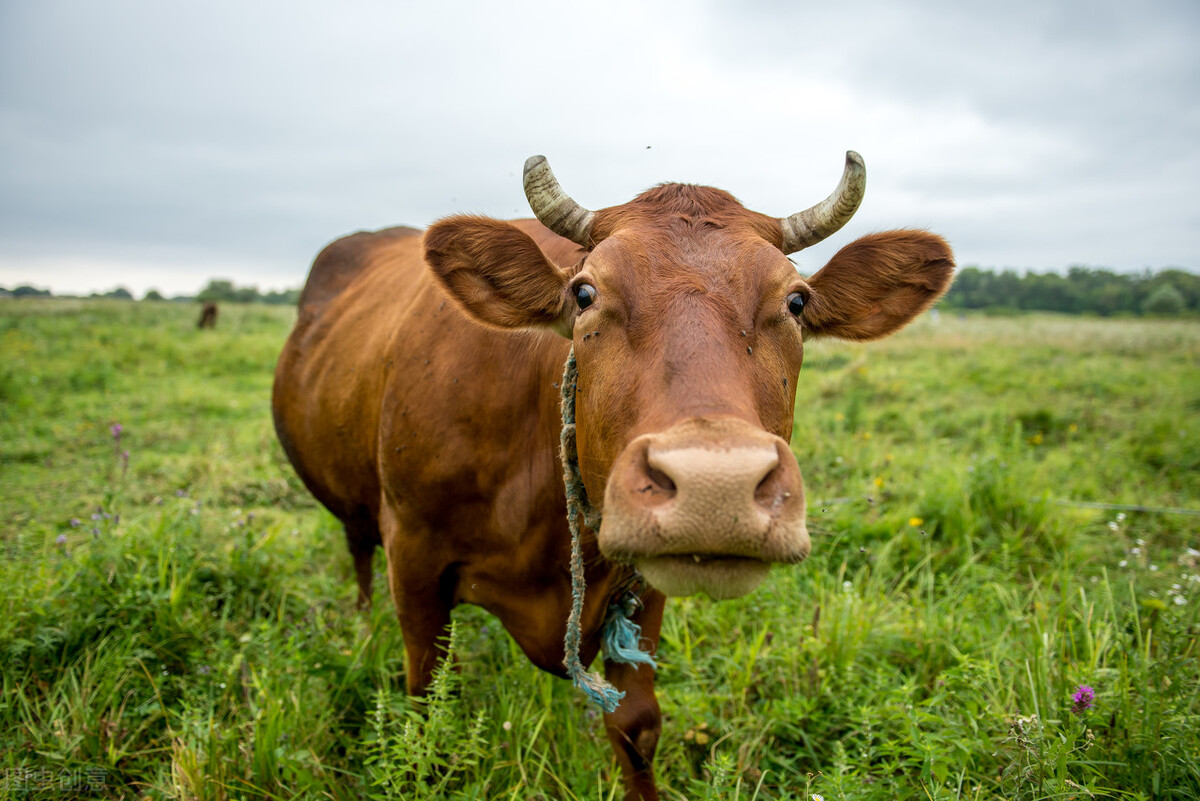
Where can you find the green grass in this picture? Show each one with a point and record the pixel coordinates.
(182, 625)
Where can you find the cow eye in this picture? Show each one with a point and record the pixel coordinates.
(585, 295)
(795, 303)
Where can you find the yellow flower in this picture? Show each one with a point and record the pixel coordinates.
(879, 481)
(1036, 439)
(915, 521)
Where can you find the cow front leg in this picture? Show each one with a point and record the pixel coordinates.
(423, 603)
(634, 727)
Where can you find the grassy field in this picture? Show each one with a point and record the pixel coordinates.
(999, 518)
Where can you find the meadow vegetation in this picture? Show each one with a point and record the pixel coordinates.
(1003, 511)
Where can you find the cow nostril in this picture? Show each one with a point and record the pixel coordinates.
(771, 491)
(660, 478)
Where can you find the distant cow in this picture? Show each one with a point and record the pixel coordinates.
(418, 398)
(208, 315)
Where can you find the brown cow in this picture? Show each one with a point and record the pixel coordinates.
(418, 398)
(208, 315)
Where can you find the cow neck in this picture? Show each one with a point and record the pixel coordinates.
(620, 636)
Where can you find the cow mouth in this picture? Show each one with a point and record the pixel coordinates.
(719, 576)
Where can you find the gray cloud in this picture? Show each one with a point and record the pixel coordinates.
(229, 139)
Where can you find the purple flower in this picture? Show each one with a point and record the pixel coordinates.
(61, 539)
(1084, 698)
(116, 431)
(75, 522)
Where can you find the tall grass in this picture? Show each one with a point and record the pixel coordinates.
(181, 624)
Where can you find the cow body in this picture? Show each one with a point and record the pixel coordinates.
(418, 398)
(208, 315)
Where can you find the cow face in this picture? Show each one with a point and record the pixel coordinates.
(688, 324)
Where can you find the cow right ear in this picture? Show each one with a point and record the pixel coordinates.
(498, 274)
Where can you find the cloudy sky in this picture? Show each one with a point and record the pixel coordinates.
(156, 144)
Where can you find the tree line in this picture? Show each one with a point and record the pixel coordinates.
(1081, 290)
(219, 290)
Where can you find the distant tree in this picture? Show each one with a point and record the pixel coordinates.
(218, 289)
(153, 294)
(26, 291)
(1164, 300)
(120, 293)
(223, 291)
(246, 294)
(288, 297)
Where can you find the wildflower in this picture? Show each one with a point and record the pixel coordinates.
(1180, 600)
(1084, 698)
(879, 481)
(75, 522)
(1036, 439)
(61, 539)
(116, 430)
(507, 725)
(915, 521)
(817, 797)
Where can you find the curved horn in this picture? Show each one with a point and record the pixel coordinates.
(808, 227)
(553, 207)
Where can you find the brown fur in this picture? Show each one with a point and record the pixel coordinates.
(208, 316)
(437, 437)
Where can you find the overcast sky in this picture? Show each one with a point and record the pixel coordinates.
(157, 144)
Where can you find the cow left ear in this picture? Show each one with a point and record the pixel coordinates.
(498, 274)
(877, 284)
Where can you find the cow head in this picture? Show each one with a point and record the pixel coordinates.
(688, 323)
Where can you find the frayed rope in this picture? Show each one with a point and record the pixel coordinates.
(620, 636)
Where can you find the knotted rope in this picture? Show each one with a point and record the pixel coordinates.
(620, 637)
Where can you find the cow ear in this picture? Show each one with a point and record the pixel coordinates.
(876, 285)
(498, 274)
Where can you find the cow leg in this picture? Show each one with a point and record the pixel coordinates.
(362, 535)
(423, 598)
(634, 727)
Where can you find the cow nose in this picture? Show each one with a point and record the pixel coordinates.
(734, 475)
(706, 489)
